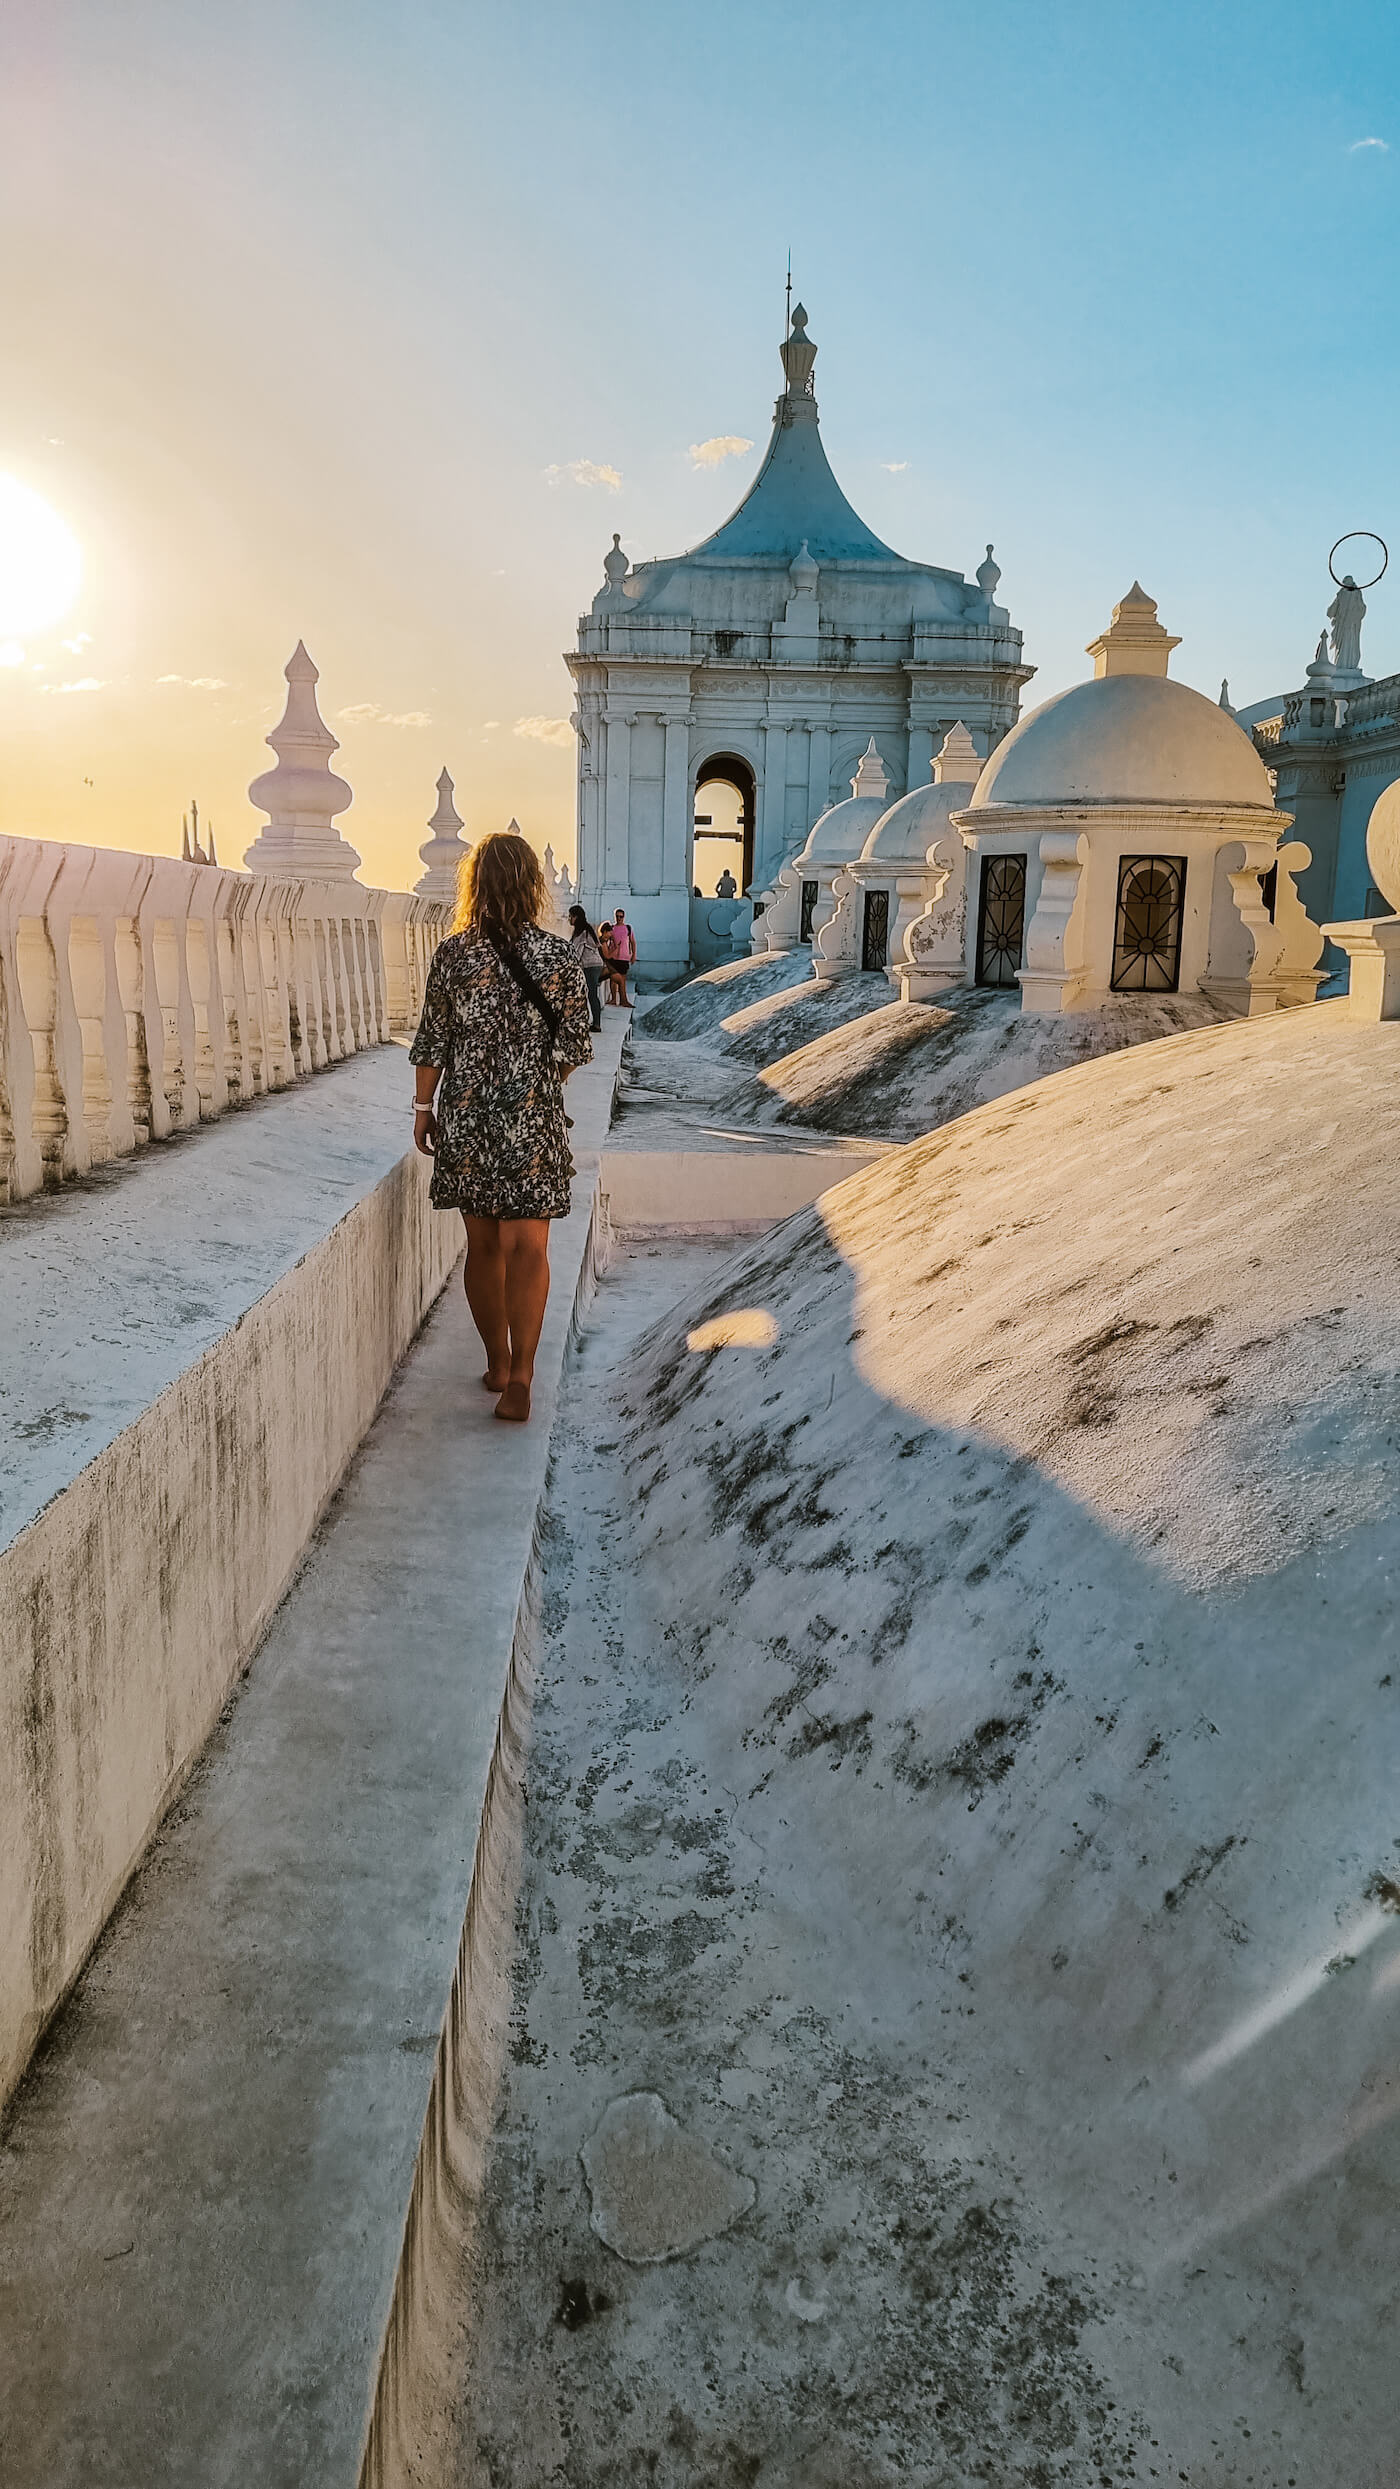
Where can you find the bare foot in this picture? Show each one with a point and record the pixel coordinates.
(495, 1382)
(514, 1403)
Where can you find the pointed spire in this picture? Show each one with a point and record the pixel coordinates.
(1135, 641)
(446, 851)
(870, 777)
(1225, 695)
(185, 856)
(302, 794)
(959, 763)
(209, 834)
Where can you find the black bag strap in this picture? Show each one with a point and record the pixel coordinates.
(529, 987)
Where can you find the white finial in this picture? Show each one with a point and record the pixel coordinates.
(870, 777)
(799, 354)
(446, 851)
(302, 795)
(1135, 641)
(803, 571)
(988, 576)
(959, 763)
(615, 564)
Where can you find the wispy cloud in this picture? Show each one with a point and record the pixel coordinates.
(187, 682)
(87, 682)
(586, 471)
(895, 466)
(1358, 144)
(544, 730)
(713, 453)
(369, 713)
(76, 646)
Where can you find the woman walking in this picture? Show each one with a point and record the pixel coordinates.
(505, 1020)
(583, 942)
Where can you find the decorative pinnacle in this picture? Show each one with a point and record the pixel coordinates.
(1135, 641)
(958, 762)
(799, 353)
(870, 777)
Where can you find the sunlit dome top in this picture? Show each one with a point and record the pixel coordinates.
(1131, 736)
(905, 832)
(839, 832)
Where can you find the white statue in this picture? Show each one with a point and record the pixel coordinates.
(1346, 613)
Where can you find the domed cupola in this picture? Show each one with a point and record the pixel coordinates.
(803, 900)
(909, 871)
(1120, 834)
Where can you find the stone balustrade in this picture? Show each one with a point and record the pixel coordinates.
(140, 995)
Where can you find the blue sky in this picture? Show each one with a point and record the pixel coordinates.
(318, 307)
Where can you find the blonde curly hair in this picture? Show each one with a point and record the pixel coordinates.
(500, 888)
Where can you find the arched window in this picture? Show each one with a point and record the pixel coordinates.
(1001, 919)
(723, 829)
(1147, 931)
(875, 931)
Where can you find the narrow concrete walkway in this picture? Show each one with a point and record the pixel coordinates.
(204, 2182)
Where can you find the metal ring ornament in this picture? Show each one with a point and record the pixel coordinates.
(1356, 535)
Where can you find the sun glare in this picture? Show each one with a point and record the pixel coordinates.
(40, 563)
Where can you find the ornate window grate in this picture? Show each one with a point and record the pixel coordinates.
(875, 932)
(1147, 931)
(1001, 919)
(809, 901)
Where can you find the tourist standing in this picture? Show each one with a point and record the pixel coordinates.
(622, 952)
(583, 942)
(505, 1020)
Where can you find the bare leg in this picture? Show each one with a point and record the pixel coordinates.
(525, 1248)
(484, 1279)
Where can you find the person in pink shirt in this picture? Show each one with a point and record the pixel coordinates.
(620, 950)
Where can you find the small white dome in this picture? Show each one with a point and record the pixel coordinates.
(840, 832)
(905, 833)
(1127, 739)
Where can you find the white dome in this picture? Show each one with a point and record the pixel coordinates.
(905, 833)
(1127, 739)
(840, 832)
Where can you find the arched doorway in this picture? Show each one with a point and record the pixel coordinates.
(722, 830)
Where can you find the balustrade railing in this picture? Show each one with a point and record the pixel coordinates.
(140, 995)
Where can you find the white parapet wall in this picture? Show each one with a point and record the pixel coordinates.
(189, 1367)
(140, 995)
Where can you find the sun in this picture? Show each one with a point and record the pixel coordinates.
(41, 565)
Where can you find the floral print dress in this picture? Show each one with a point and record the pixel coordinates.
(502, 1147)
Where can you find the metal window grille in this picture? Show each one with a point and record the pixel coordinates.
(1001, 919)
(1147, 931)
(809, 901)
(875, 932)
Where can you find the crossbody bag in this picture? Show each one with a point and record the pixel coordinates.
(530, 987)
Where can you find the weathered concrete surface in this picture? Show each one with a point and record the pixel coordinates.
(964, 1791)
(844, 1059)
(204, 2186)
(132, 1600)
(114, 1286)
(714, 1187)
